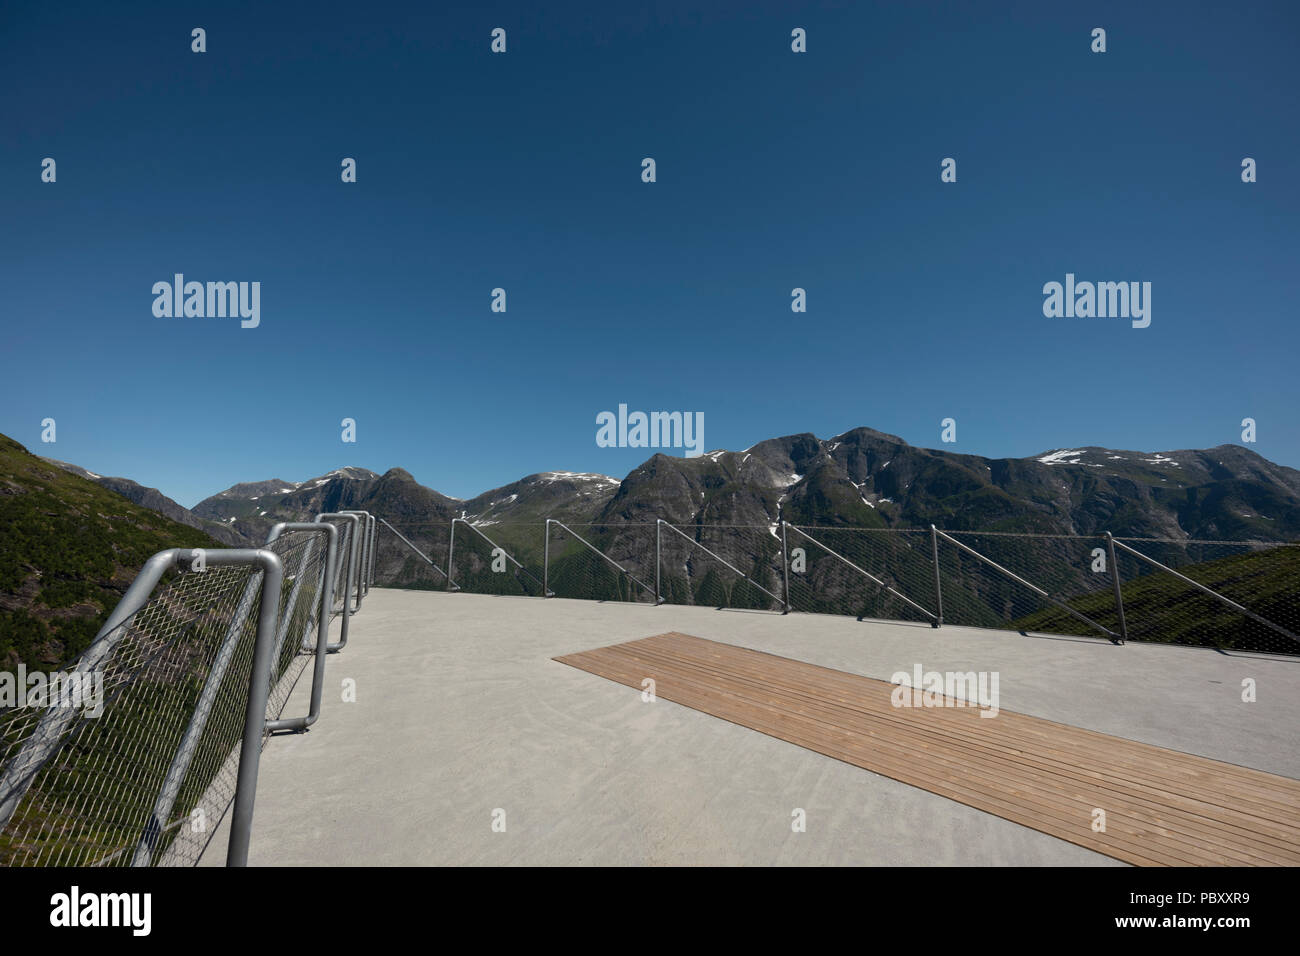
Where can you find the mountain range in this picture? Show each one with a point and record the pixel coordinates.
(73, 538)
(862, 478)
(155, 500)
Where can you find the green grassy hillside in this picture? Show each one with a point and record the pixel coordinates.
(1161, 608)
(68, 551)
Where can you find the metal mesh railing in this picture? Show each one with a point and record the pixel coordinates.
(419, 559)
(497, 559)
(978, 592)
(726, 566)
(863, 572)
(90, 801)
(304, 557)
(144, 768)
(1166, 606)
(1133, 589)
(600, 562)
(345, 529)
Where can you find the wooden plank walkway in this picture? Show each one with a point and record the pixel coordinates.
(1162, 807)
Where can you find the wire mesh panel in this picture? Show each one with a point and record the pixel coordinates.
(831, 571)
(602, 562)
(397, 563)
(827, 565)
(1263, 578)
(1070, 568)
(731, 566)
(305, 555)
(345, 537)
(140, 751)
(90, 801)
(498, 559)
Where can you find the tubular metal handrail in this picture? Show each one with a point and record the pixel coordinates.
(349, 574)
(265, 587)
(322, 620)
(356, 533)
(268, 578)
(365, 552)
(269, 589)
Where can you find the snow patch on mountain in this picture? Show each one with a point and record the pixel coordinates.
(550, 476)
(1062, 457)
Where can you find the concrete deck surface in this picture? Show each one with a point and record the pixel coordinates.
(460, 711)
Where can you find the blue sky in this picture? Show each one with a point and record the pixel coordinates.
(523, 171)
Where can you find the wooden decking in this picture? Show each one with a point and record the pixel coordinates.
(1162, 807)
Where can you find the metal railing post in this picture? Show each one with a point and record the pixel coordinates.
(938, 587)
(268, 579)
(364, 570)
(785, 566)
(345, 539)
(1119, 596)
(374, 549)
(451, 548)
(546, 560)
(322, 623)
(349, 574)
(365, 546)
(185, 752)
(299, 578)
(658, 592)
(259, 690)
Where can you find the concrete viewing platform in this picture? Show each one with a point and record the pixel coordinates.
(463, 718)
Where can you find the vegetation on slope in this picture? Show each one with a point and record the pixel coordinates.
(1160, 607)
(70, 549)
